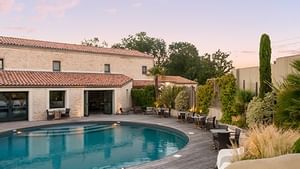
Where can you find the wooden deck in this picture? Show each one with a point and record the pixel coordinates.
(197, 154)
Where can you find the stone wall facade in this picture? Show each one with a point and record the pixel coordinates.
(37, 59)
(38, 100)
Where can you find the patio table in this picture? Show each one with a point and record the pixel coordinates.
(57, 113)
(215, 131)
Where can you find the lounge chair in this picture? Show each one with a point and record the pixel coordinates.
(50, 115)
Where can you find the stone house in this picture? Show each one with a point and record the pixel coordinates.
(39, 75)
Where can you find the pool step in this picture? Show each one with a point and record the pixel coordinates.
(65, 129)
(42, 133)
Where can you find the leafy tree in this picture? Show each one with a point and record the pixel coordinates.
(221, 63)
(183, 60)
(155, 72)
(204, 96)
(94, 42)
(265, 65)
(227, 84)
(143, 43)
(288, 99)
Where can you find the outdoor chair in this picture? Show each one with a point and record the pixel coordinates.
(202, 122)
(66, 113)
(167, 112)
(137, 110)
(160, 112)
(236, 138)
(190, 118)
(210, 123)
(50, 115)
(221, 140)
(149, 110)
(181, 116)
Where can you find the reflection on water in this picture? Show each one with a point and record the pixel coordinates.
(86, 147)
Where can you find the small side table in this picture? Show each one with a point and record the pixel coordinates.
(57, 115)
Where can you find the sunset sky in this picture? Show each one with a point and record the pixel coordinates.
(233, 26)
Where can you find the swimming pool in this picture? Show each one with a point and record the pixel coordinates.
(101, 145)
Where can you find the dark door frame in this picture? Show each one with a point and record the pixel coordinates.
(86, 101)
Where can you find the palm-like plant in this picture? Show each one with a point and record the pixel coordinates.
(155, 72)
(168, 96)
(288, 99)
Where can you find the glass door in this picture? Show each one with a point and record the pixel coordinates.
(13, 106)
(4, 107)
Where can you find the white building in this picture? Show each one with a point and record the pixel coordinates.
(248, 78)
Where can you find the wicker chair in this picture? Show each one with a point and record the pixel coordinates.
(50, 115)
(236, 138)
(210, 123)
(221, 140)
(202, 122)
(66, 114)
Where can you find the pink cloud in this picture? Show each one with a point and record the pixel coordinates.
(7, 6)
(56, 8)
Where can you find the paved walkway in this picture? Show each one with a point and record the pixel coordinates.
(197, 154)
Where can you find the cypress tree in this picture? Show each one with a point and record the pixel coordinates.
(265, 65)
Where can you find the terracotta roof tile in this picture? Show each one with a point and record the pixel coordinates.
(65, 46)
(61, 79)
(142, 83)
(175, 79)
(163, 79)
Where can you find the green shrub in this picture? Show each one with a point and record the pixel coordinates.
(204, 97)
(296, 147)
(241, 122)
(288, 100)
(168, 95)
(241, 101)
(261, 111)
(182, 101)
(144, 97)
(227, 84)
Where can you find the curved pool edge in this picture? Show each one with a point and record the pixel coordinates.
(198, 146)
(111, 122)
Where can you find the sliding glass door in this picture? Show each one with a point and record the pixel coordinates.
(98, 102)
(13, 106)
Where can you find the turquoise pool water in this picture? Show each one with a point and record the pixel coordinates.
(87, 146)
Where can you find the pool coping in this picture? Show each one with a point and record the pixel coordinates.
(160, 163)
